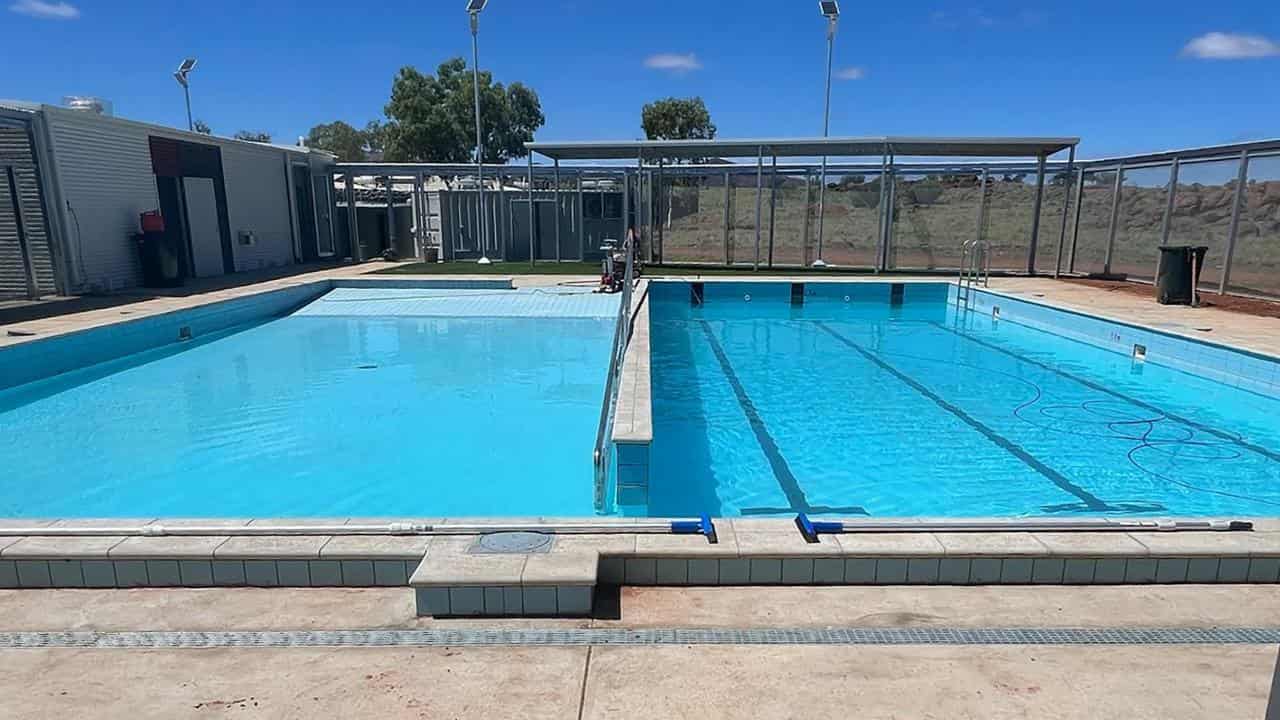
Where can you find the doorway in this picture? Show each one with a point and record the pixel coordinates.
(304, 203)
(200, 201)
(544, 235)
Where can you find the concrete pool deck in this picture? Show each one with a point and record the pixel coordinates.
(661, 680)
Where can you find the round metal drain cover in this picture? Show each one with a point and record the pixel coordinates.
(514, 542)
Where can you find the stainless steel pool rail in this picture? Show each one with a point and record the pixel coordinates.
(975, 267)
(621, 336)
(703, 526)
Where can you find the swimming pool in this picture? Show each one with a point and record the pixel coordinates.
(884, 400)
(366, 402)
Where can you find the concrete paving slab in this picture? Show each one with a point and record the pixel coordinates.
(928, 682)
(69, 547)
(182, 547)
(990, 544)
(1096, 544)
(890, 544)
(272, 547)
(467, 569)
(294, 683)
(941, 606)
(376, 546)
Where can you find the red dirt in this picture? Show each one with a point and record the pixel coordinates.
(1230, 303)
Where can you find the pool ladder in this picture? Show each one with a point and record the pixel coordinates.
(975, 268)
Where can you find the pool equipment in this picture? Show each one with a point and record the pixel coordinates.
(811, 529)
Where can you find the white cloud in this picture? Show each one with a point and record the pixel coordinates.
(46, 10)
(673, 62)
(1230, 46)
(851, 73)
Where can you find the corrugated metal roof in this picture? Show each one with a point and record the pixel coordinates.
(19, 105)
(179, 133)
(805, 147)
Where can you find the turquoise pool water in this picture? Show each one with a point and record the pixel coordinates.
(366, 403)
(848, 405)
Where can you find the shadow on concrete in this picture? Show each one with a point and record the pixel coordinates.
(20, 311)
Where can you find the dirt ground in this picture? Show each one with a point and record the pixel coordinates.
(1231, 303)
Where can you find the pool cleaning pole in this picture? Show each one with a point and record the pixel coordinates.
(474, 9)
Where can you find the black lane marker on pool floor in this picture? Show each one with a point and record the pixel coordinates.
(1118, 395)
(781, 471)
(579, 637)
(1089, 499)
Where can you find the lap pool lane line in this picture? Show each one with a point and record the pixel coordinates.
(1089, 500)
(796, 498)
(1116, 394)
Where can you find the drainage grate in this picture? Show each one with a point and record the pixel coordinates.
(674, 636)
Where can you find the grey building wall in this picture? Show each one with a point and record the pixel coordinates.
(258, 201)
(26, 255)
(104, 171)
(105, 180)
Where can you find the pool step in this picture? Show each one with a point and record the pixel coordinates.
(454, 580)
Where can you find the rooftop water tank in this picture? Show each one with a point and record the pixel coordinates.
(88, 104)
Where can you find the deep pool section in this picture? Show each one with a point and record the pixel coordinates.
(867, 400)
(369, 402)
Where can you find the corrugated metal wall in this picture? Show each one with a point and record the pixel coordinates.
(104, 169)
(258, 200)
(26, 257)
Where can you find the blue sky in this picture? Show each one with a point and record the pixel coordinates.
(1125, 76)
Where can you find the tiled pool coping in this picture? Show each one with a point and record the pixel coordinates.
(449, 578)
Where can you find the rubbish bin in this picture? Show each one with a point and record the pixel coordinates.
(1179, 273)
(160, 265)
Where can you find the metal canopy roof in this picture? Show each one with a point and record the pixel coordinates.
(804, 147)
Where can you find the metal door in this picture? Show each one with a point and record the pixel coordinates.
(202, 226)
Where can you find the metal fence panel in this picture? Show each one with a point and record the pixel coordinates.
(1139, 219)
(934, 215)
(1202, 206)
(1256, 266)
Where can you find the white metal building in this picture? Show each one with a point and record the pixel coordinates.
(80, 181)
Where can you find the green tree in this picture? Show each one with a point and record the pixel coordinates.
(677, 119)
(431, 118)
(253, 136)
(202, 127)
(340, 139)
(375, 137)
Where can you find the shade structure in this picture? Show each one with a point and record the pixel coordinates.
(805, 147)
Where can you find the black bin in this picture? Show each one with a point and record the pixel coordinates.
(1179, 273)
(161, 267)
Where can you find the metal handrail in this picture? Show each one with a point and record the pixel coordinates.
(621, 337)
(975, 267)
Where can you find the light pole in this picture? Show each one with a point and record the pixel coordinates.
(831, 11)
(181, 76)
(473, 9)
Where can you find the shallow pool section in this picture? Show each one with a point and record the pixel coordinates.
(367, 402)
(863, 399)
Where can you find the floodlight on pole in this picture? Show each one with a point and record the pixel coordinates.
(181, 76)
(831, 11)
(473, 9)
